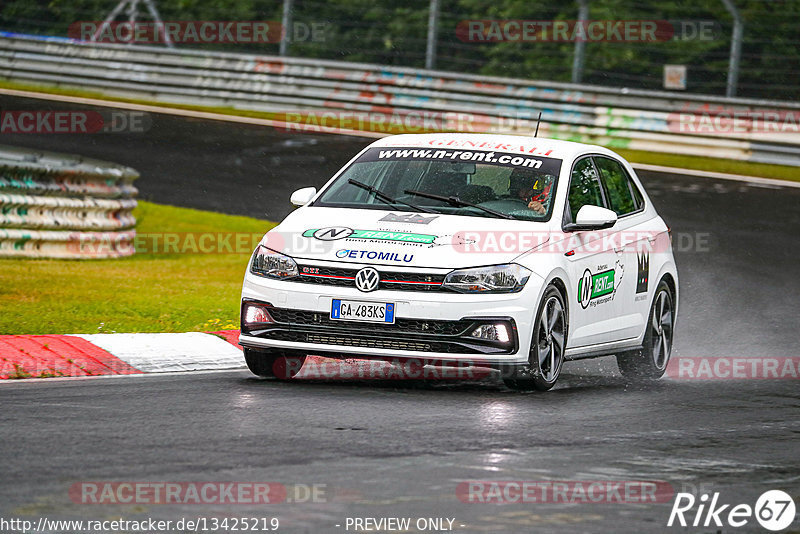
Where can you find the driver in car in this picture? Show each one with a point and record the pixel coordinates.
(532, 188)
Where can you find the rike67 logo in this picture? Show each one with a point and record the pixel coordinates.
(774, 510)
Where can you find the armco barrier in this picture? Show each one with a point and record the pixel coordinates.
(61, 206)
(621, 118)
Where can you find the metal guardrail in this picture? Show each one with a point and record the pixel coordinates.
(63, 206)
(619, 118)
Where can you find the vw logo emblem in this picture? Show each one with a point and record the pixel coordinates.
(367, 279)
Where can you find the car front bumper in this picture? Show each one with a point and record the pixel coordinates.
(429, 326)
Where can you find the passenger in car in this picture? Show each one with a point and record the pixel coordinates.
(531, 187)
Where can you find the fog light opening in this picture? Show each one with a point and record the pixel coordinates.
(255, 314)
(492, 332)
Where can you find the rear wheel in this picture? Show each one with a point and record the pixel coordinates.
(546, 355)
(273, 363)
(650, 362)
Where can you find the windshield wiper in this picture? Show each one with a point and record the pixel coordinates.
(458, 203)
(386, 198)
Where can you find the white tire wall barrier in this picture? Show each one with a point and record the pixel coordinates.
(63, 206)
(765, 131)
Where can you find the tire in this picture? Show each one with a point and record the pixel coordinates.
(273, 364)
(650, 362)
(548, 343)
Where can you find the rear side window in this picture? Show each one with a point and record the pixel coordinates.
(584, 188)
(619, 186)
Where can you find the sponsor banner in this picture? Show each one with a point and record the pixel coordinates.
(334, 233)
(373, 255)
(564, 491)
(542, 164)
(734, 368)
(570, 31)
(73, 122)
(595, 285)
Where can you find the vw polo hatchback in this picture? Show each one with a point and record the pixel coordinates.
(508, 252)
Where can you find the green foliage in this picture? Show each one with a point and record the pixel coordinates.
(394, 33)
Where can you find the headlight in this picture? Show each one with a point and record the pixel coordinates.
(508, 278)
(273, 264)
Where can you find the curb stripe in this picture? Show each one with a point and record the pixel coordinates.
(53, 355)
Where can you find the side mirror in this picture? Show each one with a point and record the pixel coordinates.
(592, 218)
(303, 196)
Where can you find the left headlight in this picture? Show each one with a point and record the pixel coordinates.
(272, 264)
(508, 278)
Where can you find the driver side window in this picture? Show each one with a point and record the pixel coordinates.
(584, 188)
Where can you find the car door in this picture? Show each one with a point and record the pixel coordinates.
(636, 240)
(595, 267)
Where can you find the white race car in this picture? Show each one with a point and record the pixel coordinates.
(508, 252)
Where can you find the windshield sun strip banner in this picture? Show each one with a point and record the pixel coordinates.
(502, 159)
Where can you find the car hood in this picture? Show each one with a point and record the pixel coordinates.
(403, 239)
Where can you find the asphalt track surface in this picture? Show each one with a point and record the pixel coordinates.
(399, 449)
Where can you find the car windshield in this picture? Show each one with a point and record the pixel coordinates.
(474, 183)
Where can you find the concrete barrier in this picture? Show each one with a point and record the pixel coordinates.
(731, 128)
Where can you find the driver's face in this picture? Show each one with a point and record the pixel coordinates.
(525, 192)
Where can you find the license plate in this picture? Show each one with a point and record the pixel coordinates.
(354, 310)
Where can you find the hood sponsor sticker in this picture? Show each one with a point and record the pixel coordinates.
(411, 218)
(374, 255)
(340, 232)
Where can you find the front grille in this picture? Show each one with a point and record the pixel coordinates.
(354, 341)
(421, 335)
(344, 340)
(411, 326)
(342, 277)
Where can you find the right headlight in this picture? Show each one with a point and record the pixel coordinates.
(272, 264)
(508, 278)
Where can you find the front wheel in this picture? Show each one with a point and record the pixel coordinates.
(650, 362)
(546, 355)
(273, 363)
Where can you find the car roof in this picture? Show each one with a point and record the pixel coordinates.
(522, 144)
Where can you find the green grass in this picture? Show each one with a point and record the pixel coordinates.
(143, 293)
(763, 170)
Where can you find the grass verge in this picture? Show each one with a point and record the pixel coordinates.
(148, 292)
(763, 170)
